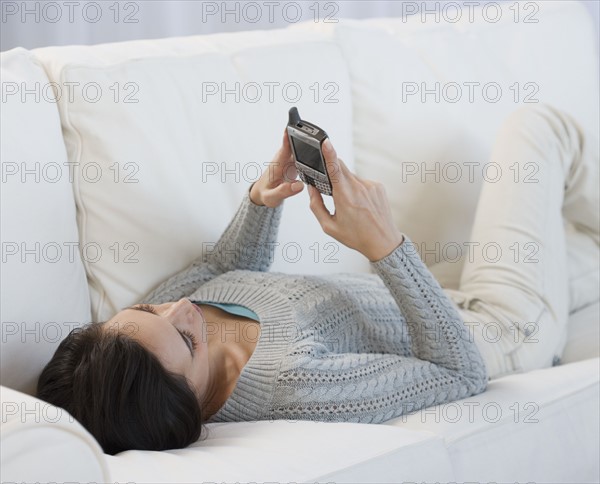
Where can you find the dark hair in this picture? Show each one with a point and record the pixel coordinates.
(120, 392)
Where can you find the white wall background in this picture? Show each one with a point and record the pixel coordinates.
(33, 24)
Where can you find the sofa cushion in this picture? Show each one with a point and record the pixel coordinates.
(538, 426)
(293, 451)
(44, 287)
(163, 167)
(427, 108)
(583, 335)
(43, 443)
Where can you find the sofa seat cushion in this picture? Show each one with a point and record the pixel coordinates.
(293, 451)
(539, 426)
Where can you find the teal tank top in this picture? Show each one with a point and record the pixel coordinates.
(232, 309)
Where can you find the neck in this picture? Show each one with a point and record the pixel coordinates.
(223, 375)
(227, 356)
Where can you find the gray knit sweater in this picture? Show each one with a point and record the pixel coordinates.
(352, 347)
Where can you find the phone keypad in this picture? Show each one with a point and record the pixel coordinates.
(318, 184)
(322, 187)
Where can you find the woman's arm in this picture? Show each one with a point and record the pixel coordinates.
(364, 388)
(445, 364)
(437, 331)
(247, 241)
(363, 221)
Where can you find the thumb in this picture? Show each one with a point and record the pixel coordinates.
(332, 163)
(285, 151)
(318, 207)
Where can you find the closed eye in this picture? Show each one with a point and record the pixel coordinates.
(187, 337)
(188, 342)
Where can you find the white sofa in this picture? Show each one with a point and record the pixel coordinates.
(139, 163)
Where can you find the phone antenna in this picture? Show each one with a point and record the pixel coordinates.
(294, 117)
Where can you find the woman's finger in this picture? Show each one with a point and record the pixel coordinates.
(285, 151)
(285, 145)
(274, 196)
(319, 209)
(337, 175)
(290, 172)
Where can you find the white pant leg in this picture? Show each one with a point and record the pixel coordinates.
(514, 295)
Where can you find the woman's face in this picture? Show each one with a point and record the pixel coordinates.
(175, 332)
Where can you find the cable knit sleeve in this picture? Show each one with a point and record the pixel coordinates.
(437, 330)
(245, 244)
(445, 364)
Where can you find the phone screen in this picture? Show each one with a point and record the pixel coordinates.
(308, 155)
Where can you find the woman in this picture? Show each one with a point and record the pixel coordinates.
(224, 340)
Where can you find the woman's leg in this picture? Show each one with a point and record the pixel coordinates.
(514, 286)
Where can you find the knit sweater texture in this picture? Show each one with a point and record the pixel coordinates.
(352, 347)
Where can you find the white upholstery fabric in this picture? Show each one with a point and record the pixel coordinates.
(44, 287)
(292, 451)
(583, 335)
(527, 427)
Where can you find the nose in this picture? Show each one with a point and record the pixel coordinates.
(181, 311)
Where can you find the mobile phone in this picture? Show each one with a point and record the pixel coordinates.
(306, 141)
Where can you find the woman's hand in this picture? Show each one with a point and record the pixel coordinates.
(362, 218)
(278, 181)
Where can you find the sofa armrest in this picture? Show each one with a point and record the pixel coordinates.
(43, 443)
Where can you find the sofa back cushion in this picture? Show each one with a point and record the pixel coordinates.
(44, 288)
(428, 99)
(166, 136)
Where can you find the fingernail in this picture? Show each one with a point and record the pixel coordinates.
(327, 145)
